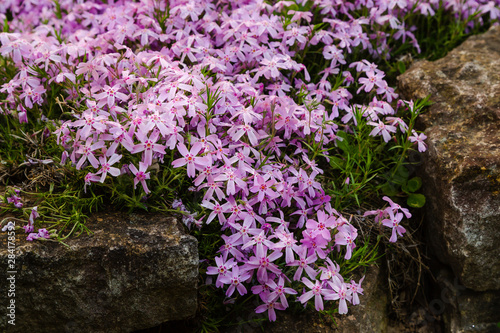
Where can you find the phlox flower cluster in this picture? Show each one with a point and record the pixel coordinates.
(225, 88)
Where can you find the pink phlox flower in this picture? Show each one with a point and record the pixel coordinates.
(310, 184)
(106, 166)
(316, 243)
(317, 291)
(221, 270)
(279, 291)
(263, 188)
(89, 123)
(303, 264)
(87, 153)
(419, 138)
(280, 220)
(342, 293)
(235, 279)
(394, 206)
(382, 129)
(109, 95)
(355, 290)
(322, 227)
(270, 306)
(189, 157)
(393, 222)
(379, 214)
(217, 211)
(332, 269)
(32, 236)
(43, 233)
(287, 241)
(237, 131)
(374, 78)
(150, 145)
(259, 240)
(263, 264)
(394, 121)
(346, 236)
(33, 215)
(140, 175)
(242, 229)
(231, 247)
(213, 187)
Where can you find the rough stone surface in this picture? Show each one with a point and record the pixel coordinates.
(135, 272)
(462, 166)
(464, 310)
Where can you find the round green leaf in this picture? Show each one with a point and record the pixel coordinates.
(416, 200)
(414, 184)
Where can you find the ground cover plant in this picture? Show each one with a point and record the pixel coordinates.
(266, 125)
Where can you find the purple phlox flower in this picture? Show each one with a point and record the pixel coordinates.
(140, 175)
(419, 139)
(317, 291)
(303, 264)
(43, 233)
(87, 153)
(189, 157)
(270, 306)
(263, 263)
(322, 226)
(310, 184)
(259, 240)
(231, 247)
(287, 242)
(379, 214)
(217, 210)
(382, 129)
(279, 291)
(106, 166)
(346, 236)
(394, 206)
(32, 236)
(221, 270)
(90, 122)
(332, 269)
(315, 243)
(33, 215)
(342, 293)
(393, 222)
(355, 290)
(235, 279)
(148, 146)
(109, 94)
(263, 188)
(16, 200)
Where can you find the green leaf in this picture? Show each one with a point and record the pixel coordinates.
(416, 200)
(414, 184)
(403, 172)
(389, 189)
(336, 163)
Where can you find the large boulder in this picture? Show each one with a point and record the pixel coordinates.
(134, 272)
(461, 169)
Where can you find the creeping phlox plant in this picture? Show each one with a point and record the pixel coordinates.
(252, 98)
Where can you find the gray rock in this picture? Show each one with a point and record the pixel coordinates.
(462, 166)
(135, 272)
(464, 310)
